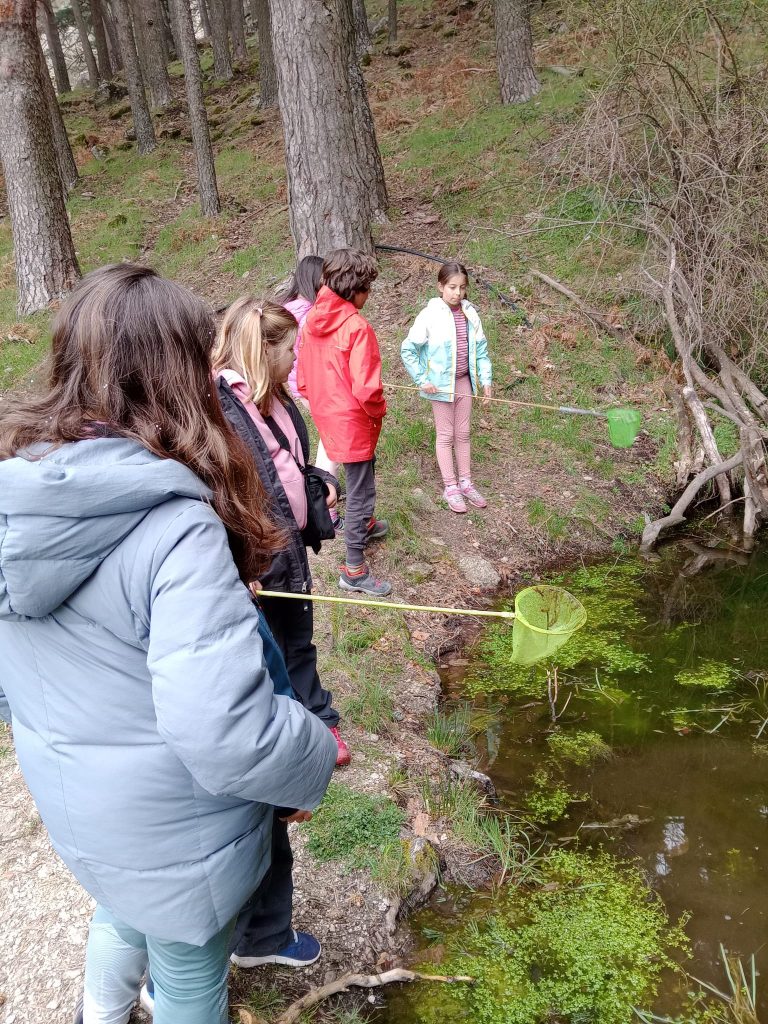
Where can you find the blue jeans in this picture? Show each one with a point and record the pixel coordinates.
(190, 981)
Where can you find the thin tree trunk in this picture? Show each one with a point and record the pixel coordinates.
(168, 39)
(222, 65)
(100, 37)
(198, 119)
(205, 21)
(114, 45)
(55, 50)
(363, 41)
(147, 21)
(328, 186)
(392, 22)
(237, 30)
(514, 51)
(267, 71)
(85, 44)
(46, 264)
(65, 161)
(253, 10)
(142, 121)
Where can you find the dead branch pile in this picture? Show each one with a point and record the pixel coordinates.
(677, 143)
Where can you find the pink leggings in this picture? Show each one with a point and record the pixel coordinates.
(452, 428)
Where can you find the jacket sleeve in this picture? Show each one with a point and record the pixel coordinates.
(409, 350)
(365, 373)
(213, 696)
(484, 368)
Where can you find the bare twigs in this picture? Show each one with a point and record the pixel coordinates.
(676, 144)
(597, 318)
(347, 981)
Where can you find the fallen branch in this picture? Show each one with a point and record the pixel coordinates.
(597, 319)
(347, 981)
(677, 515)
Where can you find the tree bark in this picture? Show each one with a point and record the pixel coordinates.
(65, 161)
(514, 51)
(363, 41)
(148, 26)
(367, 142)
(198, 119)
(114, 45)
(253, 11)
(100, 38)
(167, 37)
(205, 21)
(55, 50)
(328, 184)
(142, 121)
(392, 22)
(46, 264)
(267, 70)
(222, 65)
(237, 30)
(85, 44)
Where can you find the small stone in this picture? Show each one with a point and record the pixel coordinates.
(479, 572)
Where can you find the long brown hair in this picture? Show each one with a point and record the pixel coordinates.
(131, 350)
(249, 330)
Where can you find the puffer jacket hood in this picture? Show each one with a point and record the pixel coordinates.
(62, 513)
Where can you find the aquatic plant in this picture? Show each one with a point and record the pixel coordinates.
(581, 747)
(587, 946)
(549, 799)
(709, 675)
(453, 728)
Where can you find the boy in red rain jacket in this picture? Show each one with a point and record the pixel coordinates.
(339, 373)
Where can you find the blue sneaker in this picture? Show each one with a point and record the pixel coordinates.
(302, 952)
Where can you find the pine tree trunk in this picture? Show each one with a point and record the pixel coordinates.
(170, 50)
(65, 161)
(114, 45)
(366, 140)
(198, 119)
(392, 22)
(85, 44)
(142, 121)
(205, 21)
(363, 41)
(147, 23)
(222, 65)
(328, 186)
(55, 50)
(267, 71)
(514, 51)
(100, 37)
(46, 264)
(253, 11)
(237, 30)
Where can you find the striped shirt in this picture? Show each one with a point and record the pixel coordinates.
(462, 342)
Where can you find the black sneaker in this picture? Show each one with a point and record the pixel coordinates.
(364, 584)
(338, 525)
(376, 529)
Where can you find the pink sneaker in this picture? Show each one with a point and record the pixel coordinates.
(452, 495)
(471, 493)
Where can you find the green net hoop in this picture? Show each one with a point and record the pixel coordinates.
(545, 619)
(623, 426)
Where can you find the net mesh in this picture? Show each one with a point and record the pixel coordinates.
(623, 426)
(545, 618)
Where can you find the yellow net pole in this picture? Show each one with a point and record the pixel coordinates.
(503, 401)
(476, 613)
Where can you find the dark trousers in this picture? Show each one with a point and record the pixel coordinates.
(291, 623)
(263, 926)
(361, 501)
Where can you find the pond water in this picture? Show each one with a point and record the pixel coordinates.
(672, 672)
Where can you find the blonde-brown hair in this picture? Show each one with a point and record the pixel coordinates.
(131, 351)
(249, 329)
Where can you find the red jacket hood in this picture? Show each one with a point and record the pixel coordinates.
(329, 312)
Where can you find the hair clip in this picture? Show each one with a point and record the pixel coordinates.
(260, 311)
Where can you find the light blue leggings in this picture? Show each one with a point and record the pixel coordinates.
(190, 981)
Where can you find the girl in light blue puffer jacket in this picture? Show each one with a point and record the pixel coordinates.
(446, 353)
(145, 718)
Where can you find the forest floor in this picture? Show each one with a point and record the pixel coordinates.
(468, 179)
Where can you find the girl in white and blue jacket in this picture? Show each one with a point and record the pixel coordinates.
(446, 353)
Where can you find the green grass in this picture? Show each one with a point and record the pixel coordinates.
(353, 827)
(371, 706)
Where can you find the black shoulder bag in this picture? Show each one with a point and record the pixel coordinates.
(319, 523)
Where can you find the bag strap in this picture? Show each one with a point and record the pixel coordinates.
(282, 440)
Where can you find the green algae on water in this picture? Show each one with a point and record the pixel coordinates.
(581, 747)
(589, 945)
(709, 675)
